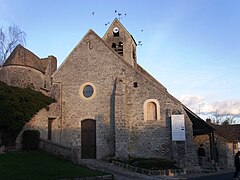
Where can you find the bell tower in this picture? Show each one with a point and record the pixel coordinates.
(118, 38)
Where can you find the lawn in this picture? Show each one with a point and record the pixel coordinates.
(39, 165)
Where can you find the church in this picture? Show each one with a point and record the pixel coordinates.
(107, 105)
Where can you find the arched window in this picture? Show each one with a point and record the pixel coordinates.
(151, 110)
(45, 84)
(114, 45)
(116, 34)
(120, 44)
(120, 48)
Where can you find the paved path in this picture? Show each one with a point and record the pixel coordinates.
(225, 176)
(211, 175)
(123, 174)
(119, 173)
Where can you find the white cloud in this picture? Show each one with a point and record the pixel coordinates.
(228, 107)
(191, 100)
(198, 105)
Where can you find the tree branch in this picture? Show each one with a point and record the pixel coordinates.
(9, 40)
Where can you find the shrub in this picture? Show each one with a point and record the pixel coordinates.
(30, 140)
(18, 106)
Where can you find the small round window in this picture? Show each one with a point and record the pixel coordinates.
(88, 91)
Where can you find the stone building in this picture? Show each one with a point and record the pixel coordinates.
(108, 105)
(24, 69)
(226, 143)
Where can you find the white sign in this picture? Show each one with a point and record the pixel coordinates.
(178, 128)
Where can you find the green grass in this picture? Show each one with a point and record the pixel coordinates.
(39, 165)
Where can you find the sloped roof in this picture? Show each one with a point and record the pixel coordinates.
(44, 62)
(138, 70)
(200, 127)
(23, 57)
(229, 132)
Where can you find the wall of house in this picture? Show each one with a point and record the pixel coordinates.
(51, 67)
(230, 154)
(126, 41)
(40, 122)
(88, 63)
(225, 150)
(118, 106)
(148, 138)
(22, 76)
(25, 69)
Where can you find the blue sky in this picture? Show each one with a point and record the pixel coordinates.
(191, 46)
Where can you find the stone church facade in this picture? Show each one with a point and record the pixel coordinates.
(108, 105)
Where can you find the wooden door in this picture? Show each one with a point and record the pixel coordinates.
(88, 139)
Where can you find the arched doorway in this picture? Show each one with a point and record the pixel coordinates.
(88, 139)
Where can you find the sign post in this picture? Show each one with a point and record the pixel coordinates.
(178, 128)
(178, 132)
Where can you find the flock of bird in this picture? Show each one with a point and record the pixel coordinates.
(120, 17)
(116, 12)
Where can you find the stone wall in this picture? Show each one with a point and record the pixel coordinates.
(124, 39)
(151, 138)
(22, 76)
(225, 150)
(117, 105)
(40, 122)
(121, 89)
(51, 67)
(84, 65)
(24, 69)
(230, 154)
(58, 149)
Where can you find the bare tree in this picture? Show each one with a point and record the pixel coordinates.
(229, 120)
(223, 119)
(9, 40)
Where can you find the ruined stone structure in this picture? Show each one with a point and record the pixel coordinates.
(108, 105)
(25, 69)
